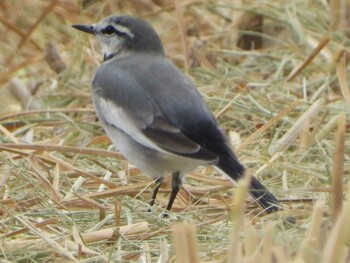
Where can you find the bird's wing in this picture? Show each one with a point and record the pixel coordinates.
(122, 102)
(175, 97)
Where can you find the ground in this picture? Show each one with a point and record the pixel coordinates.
(275, 74)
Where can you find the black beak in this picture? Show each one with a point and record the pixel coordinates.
(86, 28)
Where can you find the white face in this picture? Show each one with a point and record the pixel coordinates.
(110, 44)
(112, 37)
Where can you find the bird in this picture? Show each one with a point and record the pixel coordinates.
(154, 114)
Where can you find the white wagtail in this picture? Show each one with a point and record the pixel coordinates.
(153, 113)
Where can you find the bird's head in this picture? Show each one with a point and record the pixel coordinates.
(123, 33)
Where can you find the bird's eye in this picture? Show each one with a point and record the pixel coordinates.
(109, 30)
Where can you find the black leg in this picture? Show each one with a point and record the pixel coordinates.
(158, 182)
(175, 185)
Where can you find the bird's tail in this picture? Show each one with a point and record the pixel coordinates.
(230, 165)
(263, 196)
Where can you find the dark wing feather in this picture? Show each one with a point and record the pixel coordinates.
(173, 140)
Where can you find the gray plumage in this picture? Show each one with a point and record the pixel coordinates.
(153, 113)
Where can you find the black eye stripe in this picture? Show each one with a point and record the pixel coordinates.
(109, 30)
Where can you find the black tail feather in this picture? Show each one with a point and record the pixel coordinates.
(213, 140)
(231, 166)
(265, 199)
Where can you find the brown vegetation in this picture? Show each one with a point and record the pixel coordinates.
(276, 74)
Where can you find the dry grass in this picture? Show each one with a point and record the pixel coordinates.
(65, 194)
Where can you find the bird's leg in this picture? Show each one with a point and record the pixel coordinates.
(176, 183)
(158, 182)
